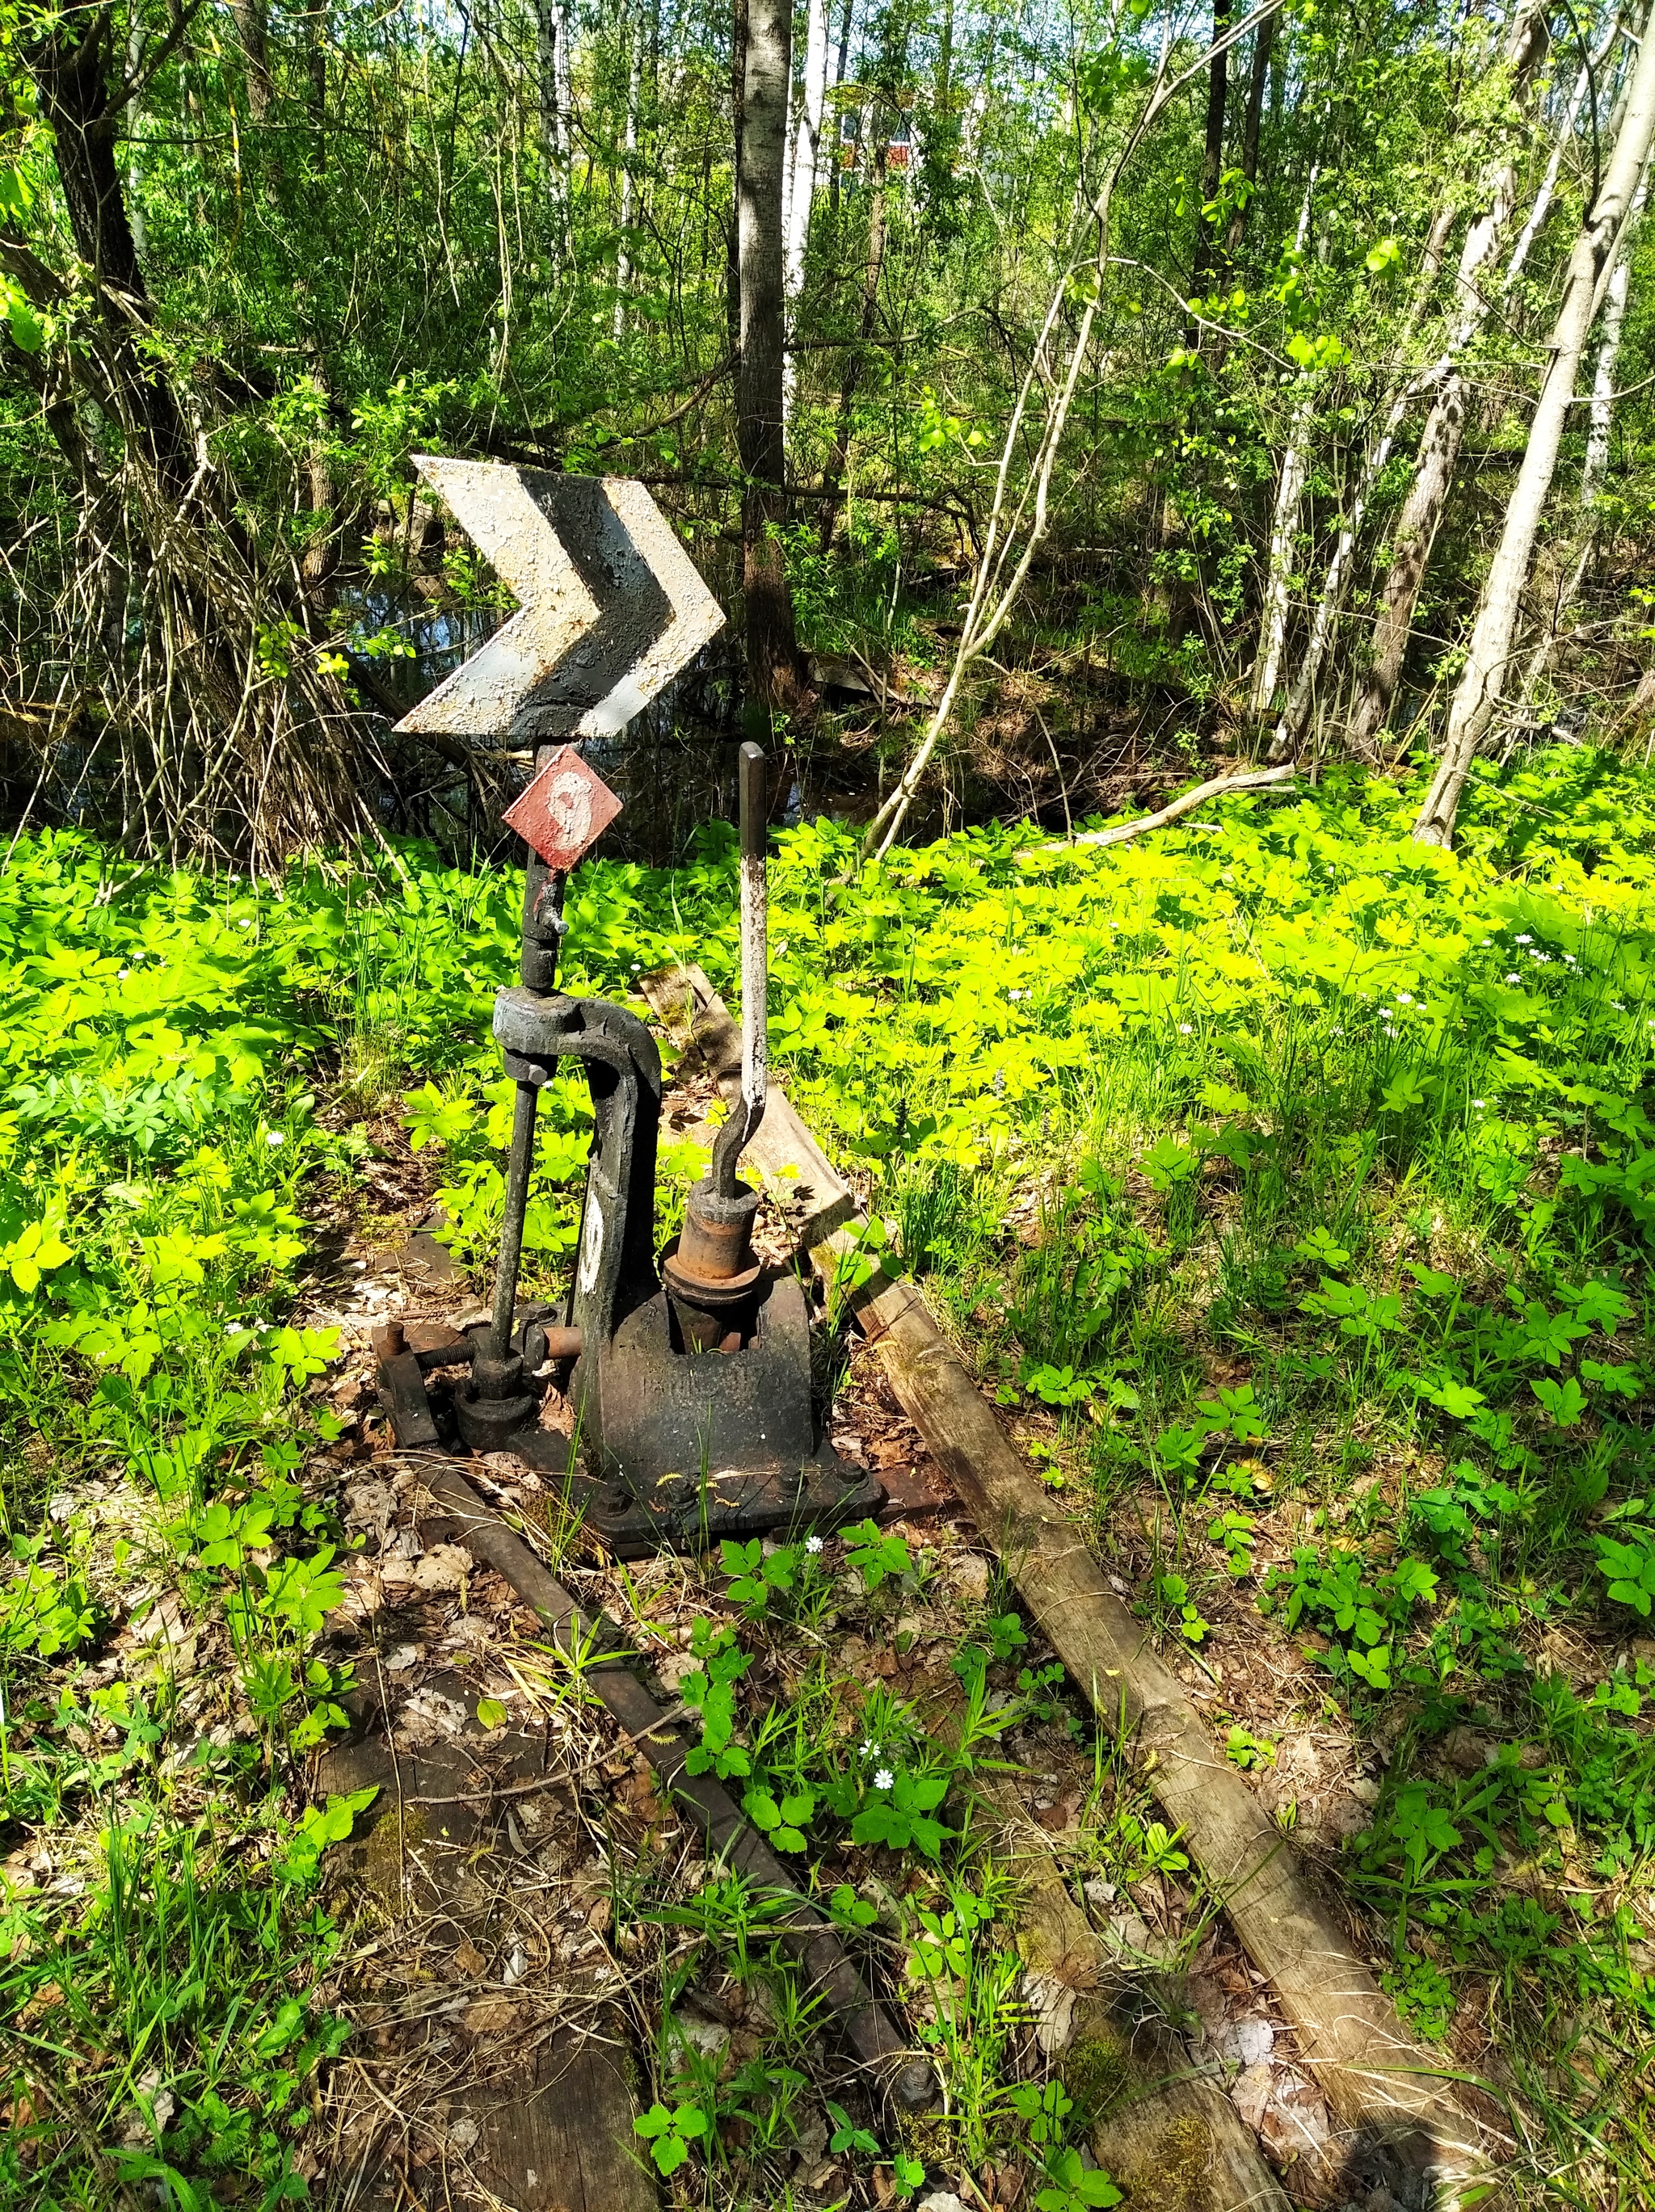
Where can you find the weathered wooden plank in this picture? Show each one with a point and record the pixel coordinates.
(558, 2135)
(1377, 2080)
(550, 2122)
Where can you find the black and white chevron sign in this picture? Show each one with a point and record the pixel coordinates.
(610, 605)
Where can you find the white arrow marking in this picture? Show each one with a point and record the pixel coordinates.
(611, 609)
(493, 505)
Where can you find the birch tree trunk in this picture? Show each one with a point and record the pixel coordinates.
(1284, 521)
(552, 24)
(806, 147)
(1590, 264)
(1440, 441)
(629, 176)
(1296, 716)
(1560, 144)
(1595, 471)
(1284, 534)
(772, 646)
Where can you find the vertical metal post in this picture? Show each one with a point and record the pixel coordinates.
(755, 974)
(755, 951)
(544, 928)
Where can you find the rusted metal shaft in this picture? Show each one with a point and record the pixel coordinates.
(543, 934)
(744, 1121)
(511, 1224)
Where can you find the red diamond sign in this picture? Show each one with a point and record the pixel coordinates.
(565, 811)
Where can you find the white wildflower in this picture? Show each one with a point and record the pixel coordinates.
(1514, 979)
(884, 1778)
(123, 975)
(812, 1545)
(870, 1749)
(1524, 937)
(274, 1138)
(1186, 1029)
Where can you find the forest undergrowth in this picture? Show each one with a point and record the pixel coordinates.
(1288, 1183)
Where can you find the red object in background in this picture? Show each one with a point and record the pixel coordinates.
(565, 811)
(895, 154)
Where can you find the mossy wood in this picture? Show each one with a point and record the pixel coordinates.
(1380, 2083)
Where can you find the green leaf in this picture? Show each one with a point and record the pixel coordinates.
(1563, 1401)
(491, 1713)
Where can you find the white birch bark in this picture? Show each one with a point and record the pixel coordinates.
(1295, 718)
(628, 180)
(1415, 531)
(1560, 144)
(1617, 293)
(552, 26)
(1482, 683)
(802, 176)
(1284, 521)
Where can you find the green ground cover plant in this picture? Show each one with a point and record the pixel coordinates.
(1291, 1185)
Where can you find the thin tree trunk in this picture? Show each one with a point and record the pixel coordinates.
(840, 61)
(1589, 263)
(773, 670)
(316, 66)
(732, 236)
(1595, 473)
(805, 150)
(250, 29)
(1284, 520)
(1416, 526)
(1263, 40)
(628, 180)
(1212, 163)
(1296, 716)
(1560, 145)
(551, 31)
(833, 477)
